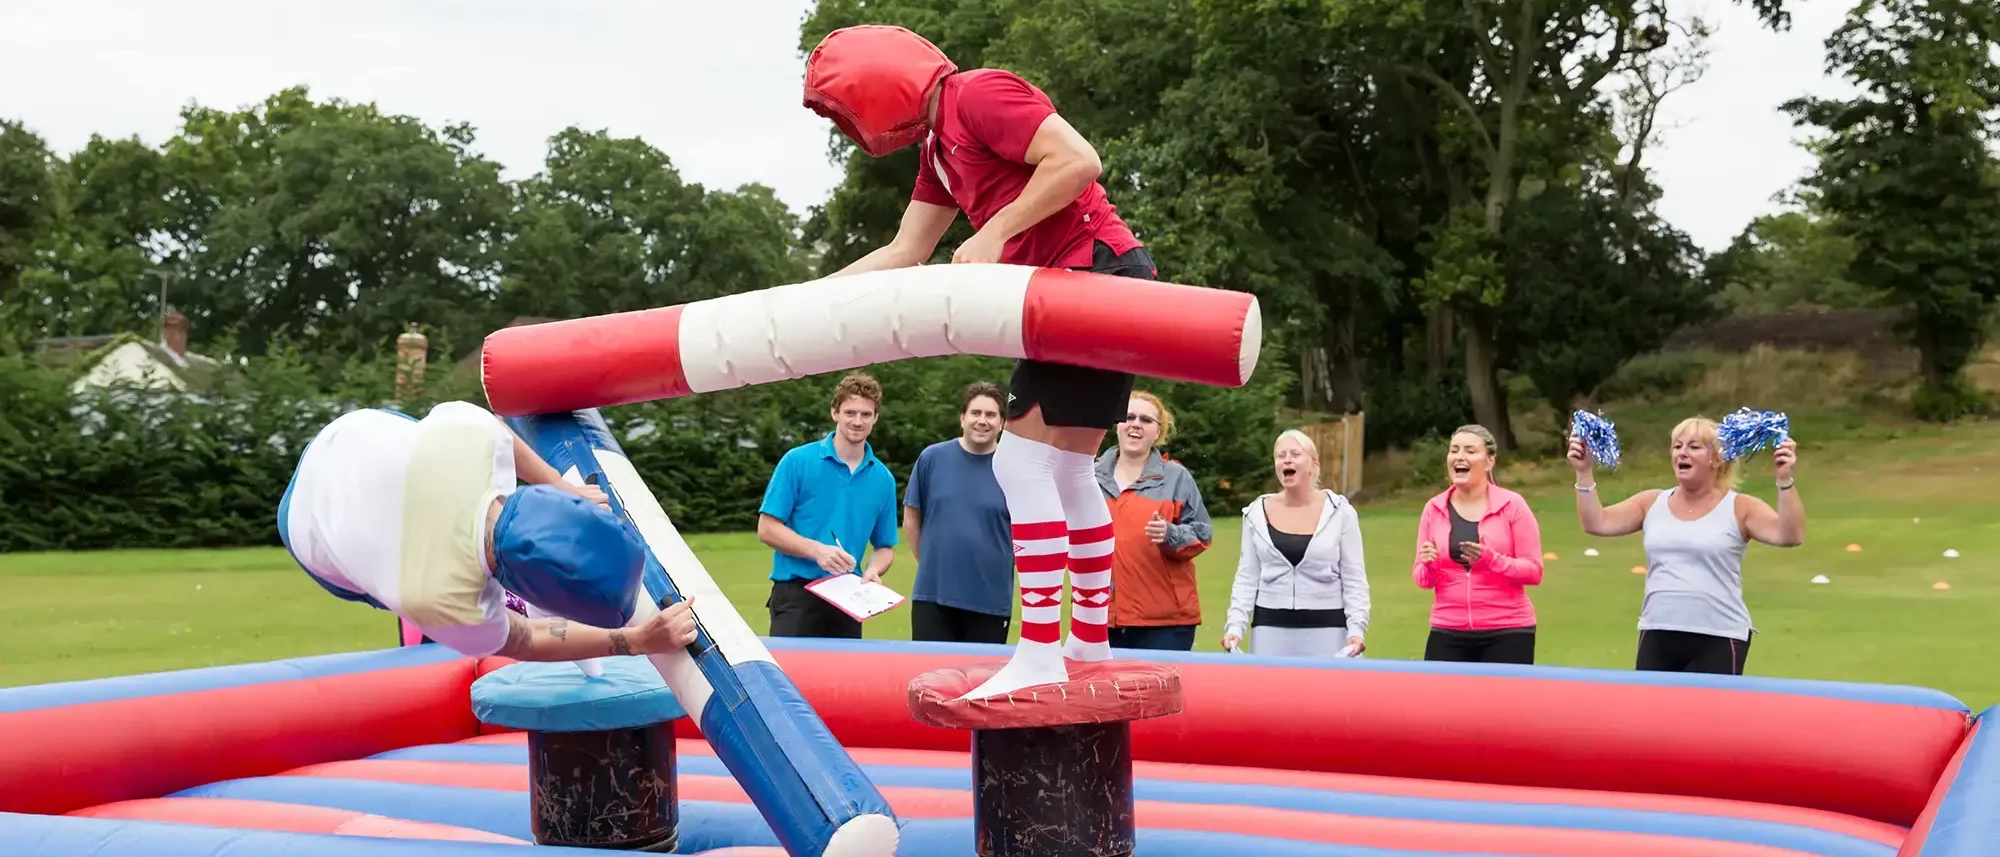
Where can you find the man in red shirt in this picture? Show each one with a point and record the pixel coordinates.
(993, 146)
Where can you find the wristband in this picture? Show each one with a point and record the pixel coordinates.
(1787, 486)
(1585, 489)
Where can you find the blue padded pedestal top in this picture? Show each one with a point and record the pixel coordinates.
(558, 697)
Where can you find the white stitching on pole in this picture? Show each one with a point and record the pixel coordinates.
(802, 329)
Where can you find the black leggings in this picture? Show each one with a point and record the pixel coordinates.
(1504, 646)
(1685, 652)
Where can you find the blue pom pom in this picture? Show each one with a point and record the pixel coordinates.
(1599, 436)
(1742, 433)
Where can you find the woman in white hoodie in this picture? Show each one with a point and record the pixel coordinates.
(1301, 582)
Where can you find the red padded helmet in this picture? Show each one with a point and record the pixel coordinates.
(874, 81)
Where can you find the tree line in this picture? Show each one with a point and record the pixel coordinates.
(1444, 205)
(1451, 197)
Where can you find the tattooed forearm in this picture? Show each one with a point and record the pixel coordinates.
(559, 628)
(619, 646)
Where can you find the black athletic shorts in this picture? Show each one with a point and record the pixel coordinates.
(1499, 646)
(1685, 652)
(1074, 396)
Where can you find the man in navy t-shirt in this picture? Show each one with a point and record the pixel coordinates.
(959, 529)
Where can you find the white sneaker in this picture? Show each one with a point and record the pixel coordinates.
(1033, 664)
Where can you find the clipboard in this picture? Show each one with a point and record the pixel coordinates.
(856, 597)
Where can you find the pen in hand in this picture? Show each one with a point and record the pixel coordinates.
(854, 564)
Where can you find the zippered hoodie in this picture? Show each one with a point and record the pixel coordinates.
(1332, 575)
(1491, 594)
(1154, 584)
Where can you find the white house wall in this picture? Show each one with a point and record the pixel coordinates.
(129, 363)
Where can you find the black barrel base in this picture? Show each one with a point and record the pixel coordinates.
(613, 789)
(1053, 791)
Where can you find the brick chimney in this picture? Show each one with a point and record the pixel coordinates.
(174, 332)
(412, 354)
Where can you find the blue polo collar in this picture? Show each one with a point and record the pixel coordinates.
(828, 451)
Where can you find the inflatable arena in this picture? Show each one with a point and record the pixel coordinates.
(378, 754)
(744, 746)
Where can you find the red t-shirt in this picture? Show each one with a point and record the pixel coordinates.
(973, 161)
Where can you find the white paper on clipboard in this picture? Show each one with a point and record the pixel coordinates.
(854, 596)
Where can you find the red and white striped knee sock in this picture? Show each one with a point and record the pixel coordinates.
(1026, 472)
(1041, 549)
(1088, 516)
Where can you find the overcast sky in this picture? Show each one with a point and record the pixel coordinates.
(715, 86)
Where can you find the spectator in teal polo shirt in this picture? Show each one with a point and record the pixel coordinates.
(826, 500)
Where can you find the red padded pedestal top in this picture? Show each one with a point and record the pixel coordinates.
(1097, 692)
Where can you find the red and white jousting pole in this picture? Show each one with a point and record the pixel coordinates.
(1099, 321)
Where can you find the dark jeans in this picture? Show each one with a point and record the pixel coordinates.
(798, 613)
(1175, 637)
(938, 623)
(1504, 646)
(1684, 652)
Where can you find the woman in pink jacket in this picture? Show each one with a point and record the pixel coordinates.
(1478, 548)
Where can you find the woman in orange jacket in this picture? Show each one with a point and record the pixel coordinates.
(1479, 548)
(1160, 526)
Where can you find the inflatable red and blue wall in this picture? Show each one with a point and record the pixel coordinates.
(378, 754)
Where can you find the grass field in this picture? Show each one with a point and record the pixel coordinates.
(1905, 494)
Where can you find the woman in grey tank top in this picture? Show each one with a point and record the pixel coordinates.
(1693, 618)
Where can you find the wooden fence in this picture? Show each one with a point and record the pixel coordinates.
(1340, 451)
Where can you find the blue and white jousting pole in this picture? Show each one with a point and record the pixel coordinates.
(811, 792)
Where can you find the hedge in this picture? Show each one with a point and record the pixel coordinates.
(132, 468)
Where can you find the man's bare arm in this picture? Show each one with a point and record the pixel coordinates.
(530, 468)
(560, 639)
(913, 525)
(880, 560)
(1065, 166)
(776, 536)
(916, 239)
